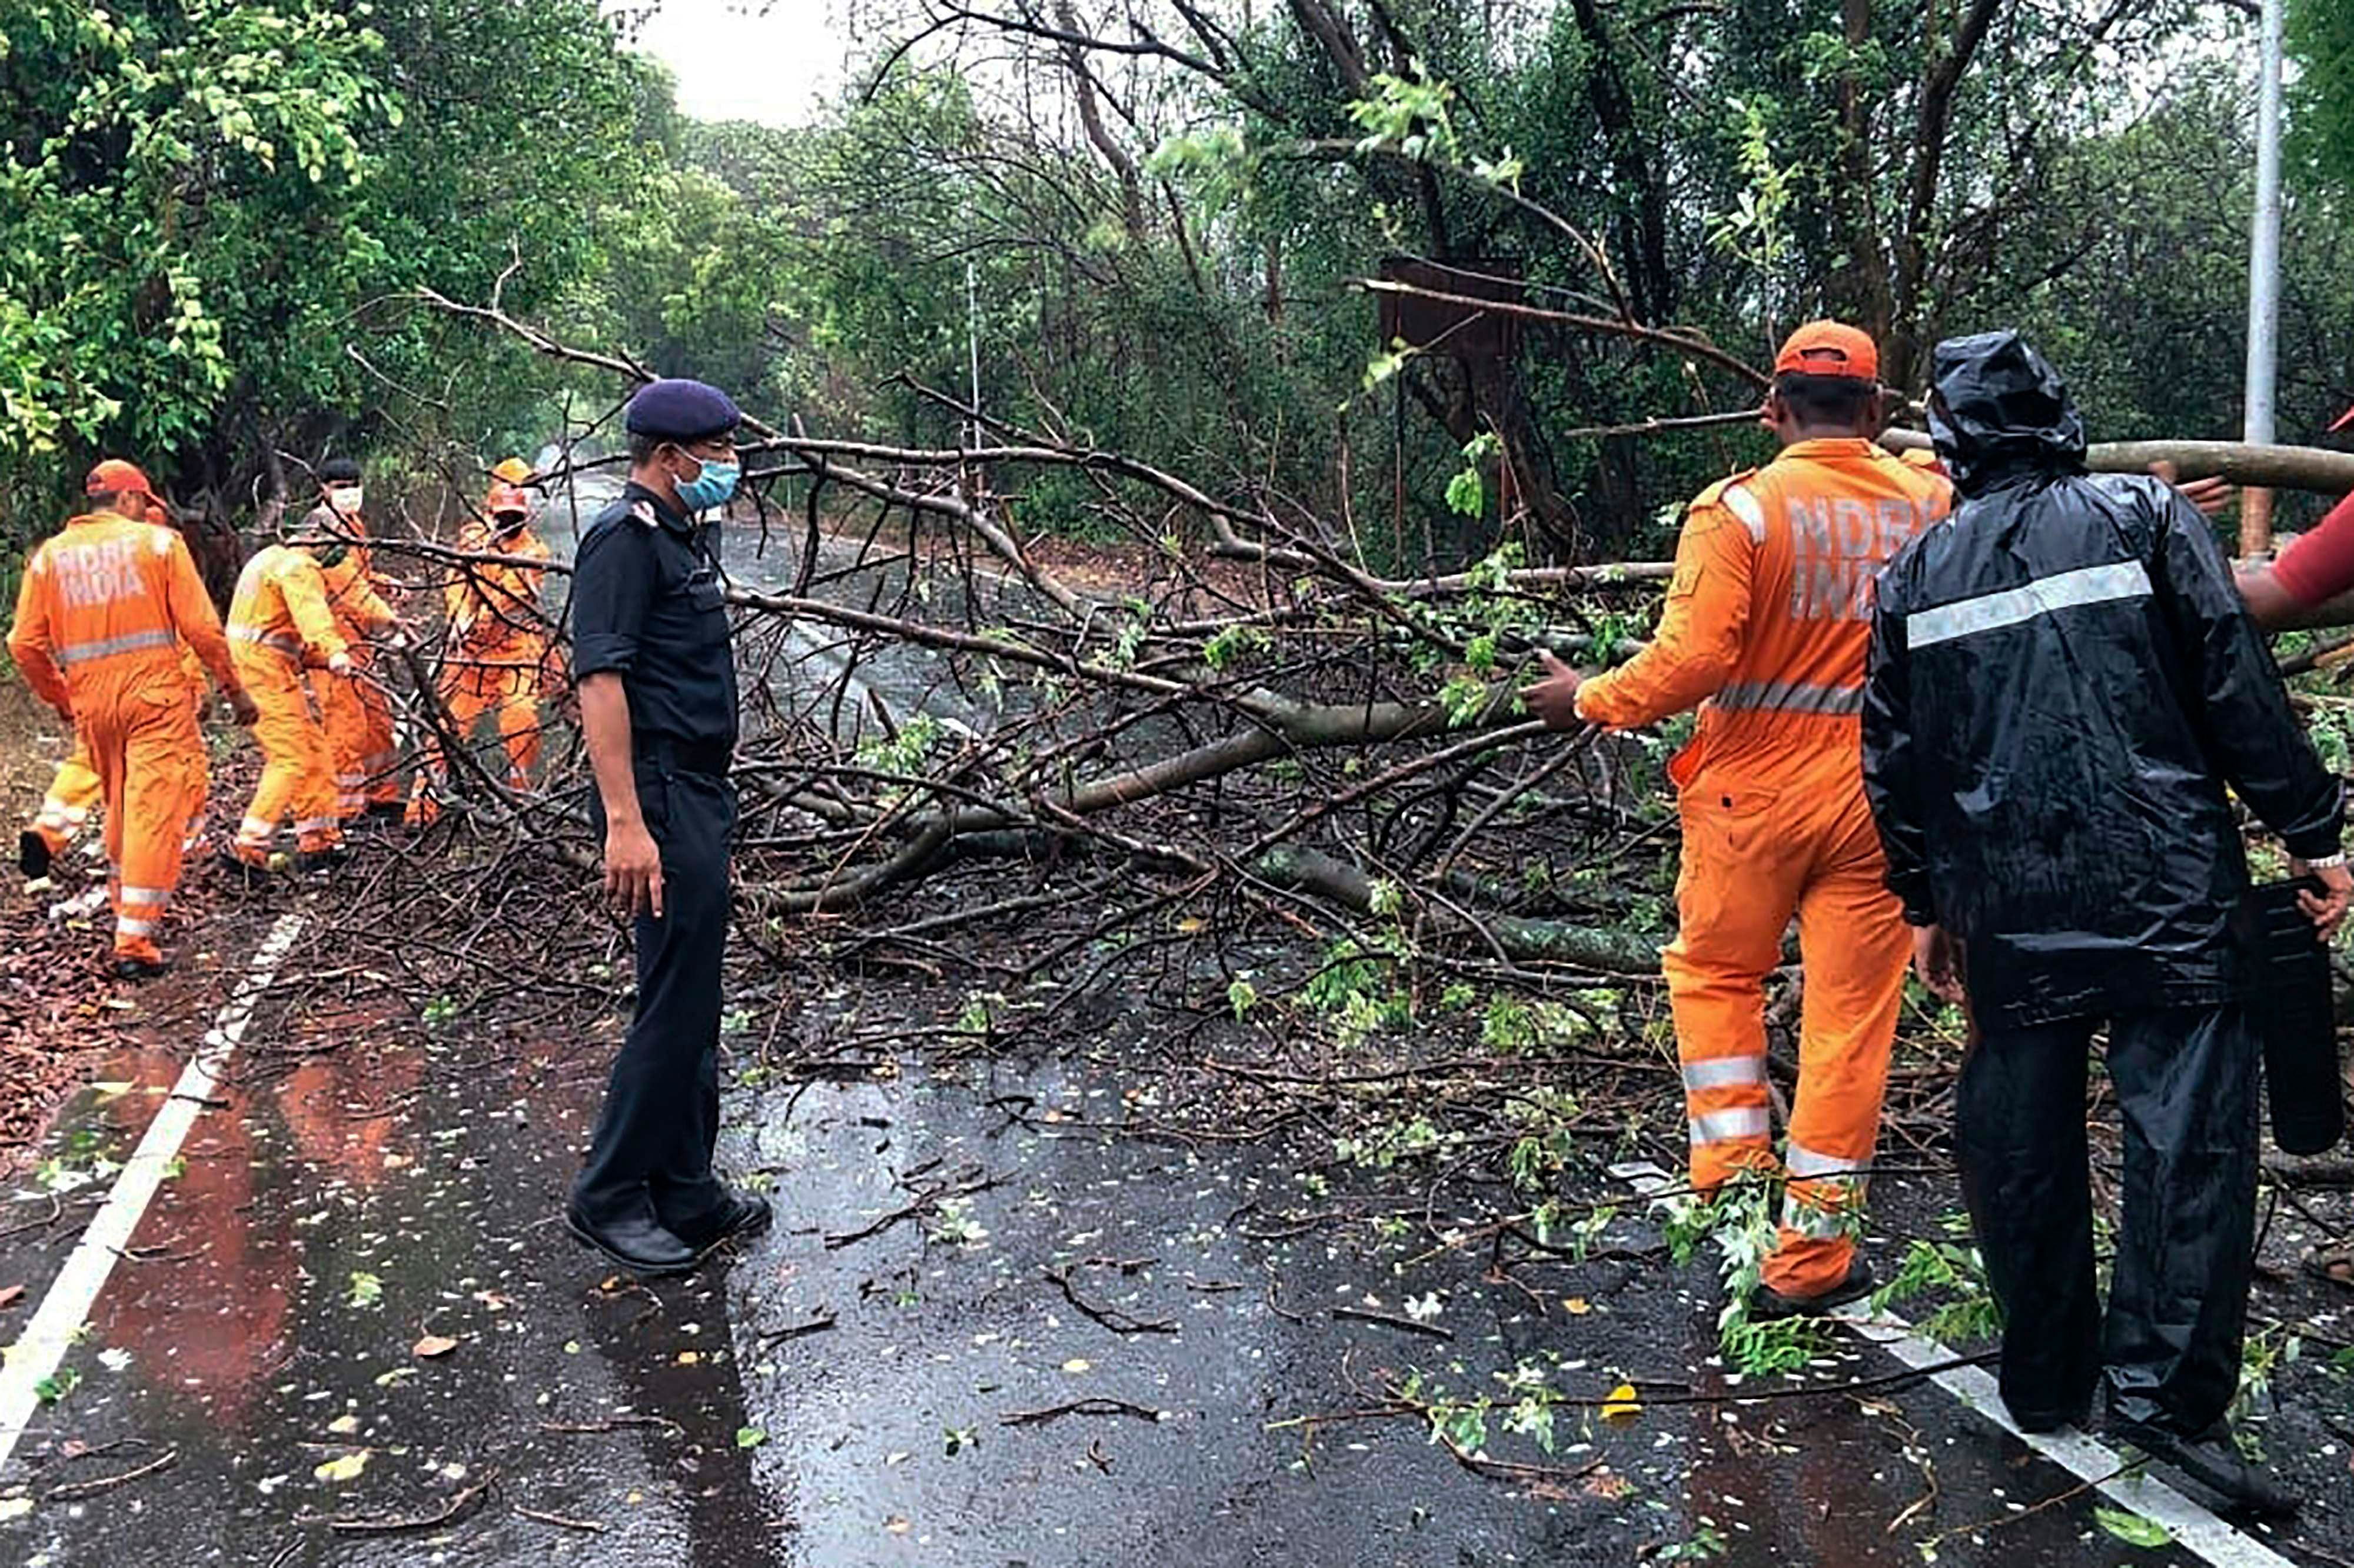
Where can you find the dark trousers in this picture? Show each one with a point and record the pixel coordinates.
(2186, 1087)
(653, 1141)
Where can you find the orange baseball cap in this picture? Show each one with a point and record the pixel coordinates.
(113, 477)
(2345, 422)
(1829, 348)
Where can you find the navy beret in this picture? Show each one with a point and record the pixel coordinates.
(682, 410)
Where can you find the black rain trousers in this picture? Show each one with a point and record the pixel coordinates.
(654, 1137)
(2185, 1079)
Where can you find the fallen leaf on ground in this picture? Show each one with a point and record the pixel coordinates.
(343, 1423)
(1609, 1485)
(749, 1436)
(1620, 1406)
(347, 1468)
(1576, 1305)
(2132, 1528)
(1079, 1364)
(433, 1345)
(15, 1507)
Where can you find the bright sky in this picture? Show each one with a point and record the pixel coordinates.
(771, 61)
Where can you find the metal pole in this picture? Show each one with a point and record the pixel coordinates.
(2264, 281)
(972, 344)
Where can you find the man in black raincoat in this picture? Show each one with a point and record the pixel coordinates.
(2062, 683)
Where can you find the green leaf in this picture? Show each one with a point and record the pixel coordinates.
(749, 1436)
(2132, 1528)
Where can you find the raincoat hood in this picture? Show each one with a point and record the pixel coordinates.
(1998, 410)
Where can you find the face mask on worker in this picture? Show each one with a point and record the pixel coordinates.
(507, 524)
(712, 483)
(346, 498)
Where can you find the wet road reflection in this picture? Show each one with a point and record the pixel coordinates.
(1192, 1399)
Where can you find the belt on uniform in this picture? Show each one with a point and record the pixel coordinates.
(685, 756)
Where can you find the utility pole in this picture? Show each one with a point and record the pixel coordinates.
(972, 344)
(2263, 284)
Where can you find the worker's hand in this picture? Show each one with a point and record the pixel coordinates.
(1552, 697)
(339, 663)
(633, 879)
(1938, 959)
(2327, 908)
(2211, 495)
(243, 708)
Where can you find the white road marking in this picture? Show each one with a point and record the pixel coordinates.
(2193, 1527)
(41, 1349)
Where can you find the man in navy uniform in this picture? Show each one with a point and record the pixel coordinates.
(656, 679)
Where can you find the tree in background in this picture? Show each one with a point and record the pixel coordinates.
(210, 210)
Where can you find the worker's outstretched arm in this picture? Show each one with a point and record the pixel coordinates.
(1699, 637)
(2309, 585)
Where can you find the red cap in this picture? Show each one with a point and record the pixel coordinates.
(2345, 422)
(1829, 348)
(114, 476)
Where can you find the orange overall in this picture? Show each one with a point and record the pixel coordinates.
(1766, 626)
(498, 651)
(277, 623)
(74, 791)
(100, 621)
(353, 709)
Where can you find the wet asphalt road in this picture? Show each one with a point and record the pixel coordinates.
(857, 1388)
(985, 1332)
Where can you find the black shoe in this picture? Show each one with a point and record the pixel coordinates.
(137, 968)
(738, 1215)
(1770, 1306)
(32, 854)
(385, 810)
(2041, 1423)
(320, 861)
(636, 1244)
(2212, 1461)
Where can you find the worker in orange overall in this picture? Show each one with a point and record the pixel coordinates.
(102, 612)
(353, 709)
(498, 657)
(74, 790)
(279, 624)
(1766, 628)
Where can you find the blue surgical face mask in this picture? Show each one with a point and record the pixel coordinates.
(709, 488)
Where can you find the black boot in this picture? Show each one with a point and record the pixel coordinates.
(32, 854)
(2214, 1462)
(738, 1215)
(636, 1244)
(1769, 1305)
